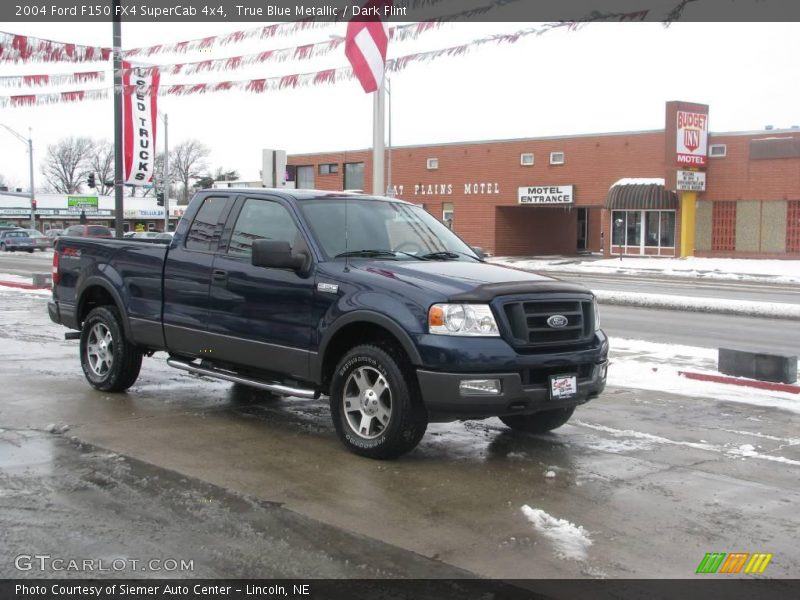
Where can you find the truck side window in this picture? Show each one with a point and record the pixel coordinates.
(206, 227)
(261, 220)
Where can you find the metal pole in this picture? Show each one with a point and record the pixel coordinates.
(33, 197)
(379, 108)
(166, 173)
(118, 168)
(389, 134)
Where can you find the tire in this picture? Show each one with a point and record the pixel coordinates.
(376, 406)
(540, 422)
(113, 371)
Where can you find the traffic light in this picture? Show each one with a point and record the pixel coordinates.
(91, 180)
(160, 198)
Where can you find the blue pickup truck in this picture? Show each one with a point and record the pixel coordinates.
(369, 301)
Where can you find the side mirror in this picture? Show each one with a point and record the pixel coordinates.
(277, 255)
(478, 251)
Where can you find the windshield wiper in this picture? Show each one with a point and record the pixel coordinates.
(367, 253)
(446, 255)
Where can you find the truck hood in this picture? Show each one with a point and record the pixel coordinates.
(466, 281)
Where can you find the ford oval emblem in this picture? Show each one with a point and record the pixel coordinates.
(557, 321)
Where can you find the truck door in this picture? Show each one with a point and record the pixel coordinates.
(261, 317)
(187, 278)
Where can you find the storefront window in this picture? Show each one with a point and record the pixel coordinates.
(658, 227)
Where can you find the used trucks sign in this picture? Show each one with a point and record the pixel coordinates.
(546, 194)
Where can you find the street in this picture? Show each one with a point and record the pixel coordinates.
(639, 484)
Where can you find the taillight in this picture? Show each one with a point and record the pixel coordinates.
(56, 259)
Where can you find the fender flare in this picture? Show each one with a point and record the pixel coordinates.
(97, 281)
(366, 316)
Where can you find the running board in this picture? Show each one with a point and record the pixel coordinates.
(277, 388)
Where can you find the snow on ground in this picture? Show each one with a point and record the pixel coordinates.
(695, 304)
(8, 291)
(646, 365)
(778, 271)
(571, 541)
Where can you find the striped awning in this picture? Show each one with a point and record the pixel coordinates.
(641, 194)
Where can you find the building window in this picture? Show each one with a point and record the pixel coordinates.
(354, 176)
(717, 150)
(447, 214)
(556, 158)
(526, 159)
(328, 169)
(643, 228)
(723, 226)
(793, 227)
(304, 178)
(433, 164)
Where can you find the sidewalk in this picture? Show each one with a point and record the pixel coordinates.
(723, 269)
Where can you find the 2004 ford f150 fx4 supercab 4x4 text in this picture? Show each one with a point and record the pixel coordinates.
(370, 301)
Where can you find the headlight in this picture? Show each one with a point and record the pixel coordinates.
(596, 314)
(462, 319)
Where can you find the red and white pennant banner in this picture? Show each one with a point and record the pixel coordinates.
(57, 79)
(21, 48)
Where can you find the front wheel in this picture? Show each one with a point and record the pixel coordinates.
(376, 406)
(540, 422)
(109, 361)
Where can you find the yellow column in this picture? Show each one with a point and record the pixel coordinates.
(688, 213)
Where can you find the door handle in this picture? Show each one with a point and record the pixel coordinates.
(219, 275)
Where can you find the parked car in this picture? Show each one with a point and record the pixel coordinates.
(40, 241)
(165, 235)
(15, 239)
(369, 301)
(94, 231)
(53, 235)
(144, 235)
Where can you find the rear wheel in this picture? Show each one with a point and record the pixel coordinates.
(540, 422)
(109, 361)
(375, 403)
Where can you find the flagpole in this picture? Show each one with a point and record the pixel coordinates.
(378, 149)
(118, 189)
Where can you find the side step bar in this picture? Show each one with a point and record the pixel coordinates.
(277, 388)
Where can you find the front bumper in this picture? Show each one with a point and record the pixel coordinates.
(445, 402)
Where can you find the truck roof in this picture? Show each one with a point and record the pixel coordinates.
(304, 194)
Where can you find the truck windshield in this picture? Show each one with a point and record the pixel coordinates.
(379, 229)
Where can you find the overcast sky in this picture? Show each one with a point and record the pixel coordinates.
(603, 77)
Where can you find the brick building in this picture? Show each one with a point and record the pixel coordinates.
(557, 195)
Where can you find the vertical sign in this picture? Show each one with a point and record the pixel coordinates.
(140, 85)
(692, 138)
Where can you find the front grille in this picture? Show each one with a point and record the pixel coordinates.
(541, 375)
(527, 321)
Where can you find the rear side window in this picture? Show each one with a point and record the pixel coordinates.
(206, 227)
(75, 230)
(99, 230)
(261, 220)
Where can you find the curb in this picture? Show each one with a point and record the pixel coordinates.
(753, 383)
(23, 286)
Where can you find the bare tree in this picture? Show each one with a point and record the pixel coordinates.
(66, 162)
(101, 163)
(187, 162)
(220, 174)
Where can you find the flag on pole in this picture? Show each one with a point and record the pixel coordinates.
(140, 112)
(366, 43)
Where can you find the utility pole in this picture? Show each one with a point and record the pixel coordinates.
(378, 150)
(389, 191)
(118, 91)
(29, 142)
(166, 173)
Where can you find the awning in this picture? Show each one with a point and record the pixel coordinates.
(641, 194)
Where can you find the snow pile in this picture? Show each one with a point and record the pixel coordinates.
(652, 366)
(695, 304)
(740, 269)
(571, 541)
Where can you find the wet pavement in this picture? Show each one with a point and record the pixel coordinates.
(653, 480)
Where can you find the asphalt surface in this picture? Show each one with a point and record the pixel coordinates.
(654, 479)
(707, 330)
